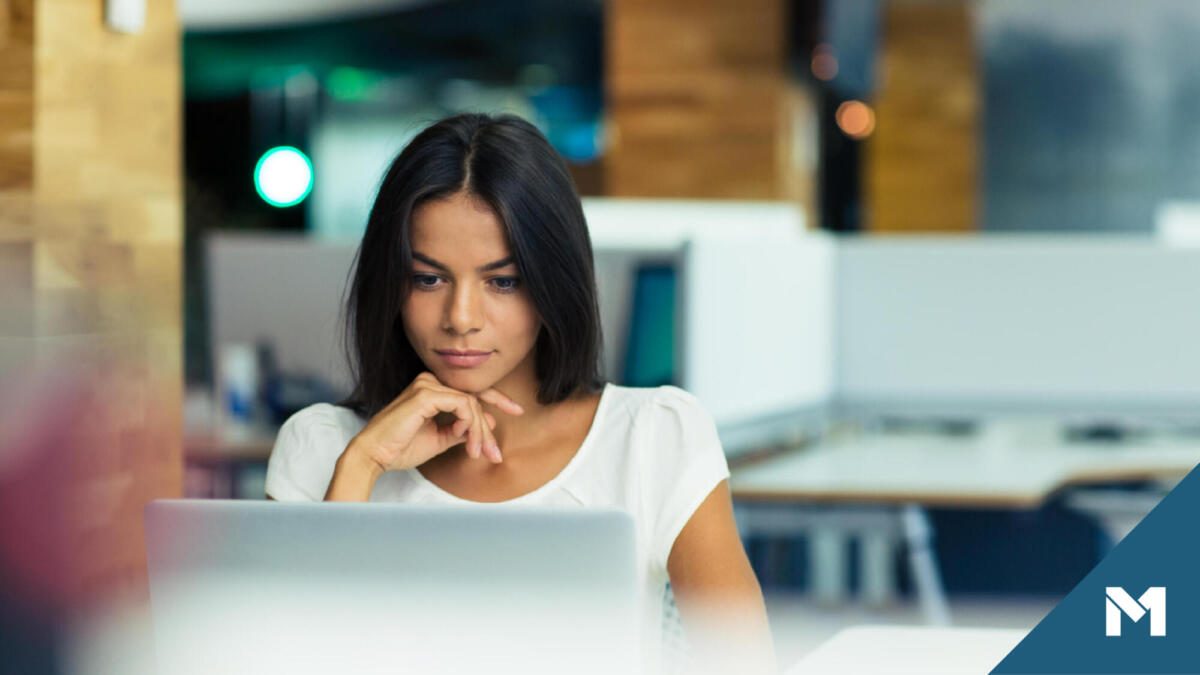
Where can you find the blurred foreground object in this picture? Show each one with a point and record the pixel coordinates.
(64, 556)
(90, 325)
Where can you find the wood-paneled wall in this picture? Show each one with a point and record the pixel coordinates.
(697, 99)
(16, 98)
(921, 168)
(91, 234)
(16, 182)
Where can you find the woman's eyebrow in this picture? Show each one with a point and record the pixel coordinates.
(483, 268)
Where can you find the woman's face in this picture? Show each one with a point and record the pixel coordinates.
(468, 315)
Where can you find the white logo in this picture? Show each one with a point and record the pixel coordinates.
(1152, 602)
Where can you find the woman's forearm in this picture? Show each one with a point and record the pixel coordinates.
(354, 477)
(728, 634)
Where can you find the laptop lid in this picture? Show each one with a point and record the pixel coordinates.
(258, 586)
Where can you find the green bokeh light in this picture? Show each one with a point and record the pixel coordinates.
(283, 176)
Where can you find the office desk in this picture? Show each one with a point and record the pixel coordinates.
(965, 472)
(908, 650)
(879, 484)
(215, 462)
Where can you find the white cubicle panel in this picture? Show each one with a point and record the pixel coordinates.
(629, 233)
(286, 289)
(995, 324)
(756, 326)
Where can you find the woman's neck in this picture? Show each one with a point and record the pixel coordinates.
(539, 423)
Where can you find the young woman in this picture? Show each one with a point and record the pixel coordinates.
(474, 336)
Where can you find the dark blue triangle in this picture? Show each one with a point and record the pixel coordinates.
(1163, 550)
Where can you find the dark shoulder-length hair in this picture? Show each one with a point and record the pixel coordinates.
(509, 164)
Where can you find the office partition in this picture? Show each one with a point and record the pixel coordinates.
(985, 325)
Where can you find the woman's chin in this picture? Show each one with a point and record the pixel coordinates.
(469, 380)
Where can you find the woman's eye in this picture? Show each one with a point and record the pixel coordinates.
(506, 283)
(425, 281)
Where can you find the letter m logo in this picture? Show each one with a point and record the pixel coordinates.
(1152, 602)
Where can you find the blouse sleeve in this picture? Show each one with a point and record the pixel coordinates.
(306, 450)
(686, 462)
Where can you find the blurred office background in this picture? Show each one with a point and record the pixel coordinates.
(973, 220)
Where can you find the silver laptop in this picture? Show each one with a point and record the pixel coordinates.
(282, 587)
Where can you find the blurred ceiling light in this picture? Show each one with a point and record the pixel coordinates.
(856, 119)
(283, 176)
(350, 84)
(824, 62)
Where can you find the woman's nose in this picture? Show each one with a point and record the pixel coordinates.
(464, 315)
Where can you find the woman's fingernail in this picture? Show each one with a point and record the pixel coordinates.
(496, 452)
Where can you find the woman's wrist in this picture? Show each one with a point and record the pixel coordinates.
(357, 454)
(354, 476)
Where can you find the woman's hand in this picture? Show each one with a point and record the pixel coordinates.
(406, 434)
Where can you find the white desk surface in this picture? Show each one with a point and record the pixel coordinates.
(915, 650)
(1000, 471)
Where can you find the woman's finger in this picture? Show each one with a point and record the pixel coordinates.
(493, 448)
(476, 424)
(449, 436)
(462, 424)
(487, 447)
(460, 427)
(500, 401)
(461, 405)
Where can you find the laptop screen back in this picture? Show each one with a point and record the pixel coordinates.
(247, 586)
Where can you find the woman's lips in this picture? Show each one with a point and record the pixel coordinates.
(463, 359)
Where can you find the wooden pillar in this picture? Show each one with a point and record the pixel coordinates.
(921, 172)
(698, 100)
(91, 233)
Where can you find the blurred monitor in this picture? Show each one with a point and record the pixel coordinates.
(285, 290)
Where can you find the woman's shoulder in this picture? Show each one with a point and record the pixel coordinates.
(640, 402)
(676, 460)
(325, 414)
(306, 448)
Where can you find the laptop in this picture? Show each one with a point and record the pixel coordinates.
(285, 587)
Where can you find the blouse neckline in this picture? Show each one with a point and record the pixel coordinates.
(562, 475)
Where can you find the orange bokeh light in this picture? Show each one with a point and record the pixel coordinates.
(856, 119)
